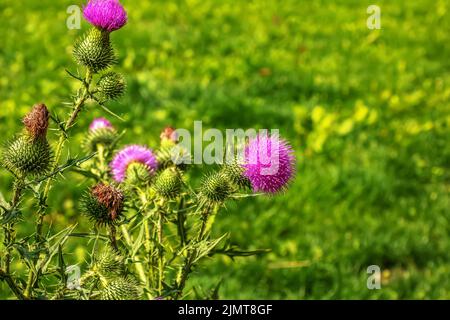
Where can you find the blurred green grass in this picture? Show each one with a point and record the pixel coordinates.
(366, 110)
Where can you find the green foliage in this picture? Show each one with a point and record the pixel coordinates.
(366, 110)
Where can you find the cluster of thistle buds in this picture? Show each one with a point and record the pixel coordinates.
(137, 187)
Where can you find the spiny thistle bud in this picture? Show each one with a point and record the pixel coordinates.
(101, 132)
(215, 188)
(137, 174)
(94, 51)
(112, 85)
(235, 173)
(30, 153)
(130, 155)
(103, 204)
(173, 156)
(168, 183)
(123, 288)
(108, 264)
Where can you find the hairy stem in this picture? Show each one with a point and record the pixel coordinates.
(10, 238)
(187, 267)
(137, 263)
(160, 251)
(78, 106)
(12, 284)
(148, 249)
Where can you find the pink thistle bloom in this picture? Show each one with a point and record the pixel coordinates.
(108, 15)
(131, 154)
(100, 123)
(269, 163)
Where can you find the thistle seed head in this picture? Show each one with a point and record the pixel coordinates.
(103, 204)
(36, 121)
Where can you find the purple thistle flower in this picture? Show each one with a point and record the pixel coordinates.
(100, 123)
(128, 155)
(269, 163)
(108, 15)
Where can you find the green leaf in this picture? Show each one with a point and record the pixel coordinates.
(58, 240)
(204, 247)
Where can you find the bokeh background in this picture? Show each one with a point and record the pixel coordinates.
(367, 112)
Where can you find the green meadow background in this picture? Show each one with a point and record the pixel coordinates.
(367, 112)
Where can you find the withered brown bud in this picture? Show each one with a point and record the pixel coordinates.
(36, 121)
(169, 134)
(109, 197)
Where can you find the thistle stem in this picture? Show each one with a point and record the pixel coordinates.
(12, 284)
(148, 249)
(10, 238)
(138, 264)
(160, 251)
(187, 267)
(78, 105)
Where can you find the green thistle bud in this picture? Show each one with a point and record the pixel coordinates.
(108, 264)
(102, 136)
(168, 183)
(176, 155)
(137, 174)
(215, 188)
(94, 50)
(103, 205)
(235, 173)
(112, 85)
(124, 288)
(30, 153)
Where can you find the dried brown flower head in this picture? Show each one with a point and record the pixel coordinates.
(110, 197)
(36, 121)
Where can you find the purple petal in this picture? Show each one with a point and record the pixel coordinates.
(108, 15)
(130, 154)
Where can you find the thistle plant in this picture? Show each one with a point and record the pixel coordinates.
(150, 226)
